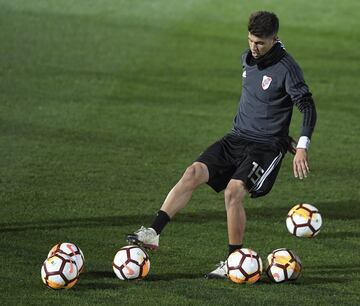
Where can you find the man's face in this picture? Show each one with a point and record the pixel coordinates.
(260, 46)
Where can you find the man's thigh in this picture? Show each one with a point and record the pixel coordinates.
(259, 169)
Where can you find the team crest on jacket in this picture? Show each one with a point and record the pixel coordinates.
(266, 81)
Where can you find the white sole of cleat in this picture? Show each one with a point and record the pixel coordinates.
(133, 240)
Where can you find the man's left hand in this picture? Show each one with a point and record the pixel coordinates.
(301, 164)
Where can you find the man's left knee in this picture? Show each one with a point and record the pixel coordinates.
(235, 191)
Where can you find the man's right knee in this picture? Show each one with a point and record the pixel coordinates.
(195, 175)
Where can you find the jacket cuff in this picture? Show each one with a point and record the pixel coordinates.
(303, 143)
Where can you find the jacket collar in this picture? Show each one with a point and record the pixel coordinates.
(273, 56)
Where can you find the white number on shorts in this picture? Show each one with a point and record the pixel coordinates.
(256, 172)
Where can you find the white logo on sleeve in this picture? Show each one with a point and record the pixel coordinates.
(244, 74)
(266, 81)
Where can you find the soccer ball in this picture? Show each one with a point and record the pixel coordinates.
(71, 250)
(244, 266)
(131, 262)
(59, 272)
(304, 220)
(283, 265)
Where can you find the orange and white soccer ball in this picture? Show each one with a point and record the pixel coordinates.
(131, 262)
(304, 220)
(244, 266)
(59, 272)
(283, 265)
(71, 250)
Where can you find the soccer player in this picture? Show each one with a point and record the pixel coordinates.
(248, 158)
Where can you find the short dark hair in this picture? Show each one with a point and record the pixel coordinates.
(263, 24)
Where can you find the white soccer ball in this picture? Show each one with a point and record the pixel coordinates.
(71, 250)
(304, 220)
(131, 262)
(283, 265)
(59, 272)
(244, 266)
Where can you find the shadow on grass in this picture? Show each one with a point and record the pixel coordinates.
(340, 235)
(97, 274)
(95, 280)
(336, 269)
(173, 276)
(328, 274)
(339, 274)
(309, 280)
(318, 275)
(98, 286)
(323, 279)
(346, 210)
(92, 275)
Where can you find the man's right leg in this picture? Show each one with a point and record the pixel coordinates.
(194, 176)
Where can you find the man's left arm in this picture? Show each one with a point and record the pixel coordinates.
(302, 98)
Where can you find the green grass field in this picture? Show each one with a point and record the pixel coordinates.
(102, 106)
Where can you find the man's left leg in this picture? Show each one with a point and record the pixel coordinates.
(236, 220)
(235, 212)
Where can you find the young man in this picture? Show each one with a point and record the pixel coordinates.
(248, 159)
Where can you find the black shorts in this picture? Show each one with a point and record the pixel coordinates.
(232, 157)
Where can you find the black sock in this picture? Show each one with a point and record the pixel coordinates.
(234, 247)
(161, 219)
